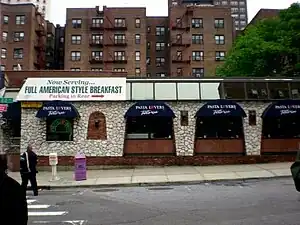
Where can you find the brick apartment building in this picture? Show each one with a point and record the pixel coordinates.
(192, 41)
(23, 37)
(238, 8)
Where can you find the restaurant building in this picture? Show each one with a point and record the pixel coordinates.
(160, 121)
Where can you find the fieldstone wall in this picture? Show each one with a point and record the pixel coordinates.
(33, 130)
(253, 133)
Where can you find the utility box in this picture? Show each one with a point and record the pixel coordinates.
(53, 159)
(80, 167)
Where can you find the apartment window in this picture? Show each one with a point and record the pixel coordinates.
(148, 45)
(17, 67)
(160, 61)
(61, 39)
(97, 22)
(137, 56)
(137, 23)
(3, 53)
(242, 10)
(219, 23)
(234, 3)
(242, 3)
(197, 39)
(148, 29)
(224, 2)
(160, 46)
(19, 36)
(137, 39)
(242, 16)
(197, 23)
(18, 53)
(237, 22)
(220, 39)
(5, 19)
(97, 69)
(97, 38)
(234, 10)
(76, 23)
(120, 70)
(75, 56)
(20, 20)
(198, 72)
(75, 69)
(138, 71)
(197, 56)
(97, 55)
(4, 36)
(2, 68)
(119, 56)
(160, 31)
(120, 22)
(76, 39)
(243, 22)
(119, 38)
(220, 55)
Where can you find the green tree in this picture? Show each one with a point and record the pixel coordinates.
(271, 47)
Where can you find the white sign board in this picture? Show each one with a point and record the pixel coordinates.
(53, 159)
(73, 89)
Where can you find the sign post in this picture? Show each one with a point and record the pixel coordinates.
(53, 161)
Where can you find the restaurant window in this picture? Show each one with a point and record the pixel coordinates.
(257, 90)
(295, 90)
(76, 23)
(219, 127)
(283, 127)
(59, 129)
(197, 23)
(279, 90)
(234, 90)
(149, 127)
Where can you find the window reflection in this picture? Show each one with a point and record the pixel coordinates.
(295, 90)
(234, 90)
(279, 90)
(257, 90)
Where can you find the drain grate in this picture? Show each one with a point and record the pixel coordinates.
(160, 188)
(106, 190)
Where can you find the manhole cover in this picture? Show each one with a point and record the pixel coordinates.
(106, 190)
(160, 188)
(74, 202)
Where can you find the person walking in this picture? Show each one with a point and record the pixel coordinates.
(28, 169)
(13, 203)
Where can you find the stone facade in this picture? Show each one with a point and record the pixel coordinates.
(33, 130)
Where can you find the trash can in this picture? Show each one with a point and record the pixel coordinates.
(80, 167)
(295, 170)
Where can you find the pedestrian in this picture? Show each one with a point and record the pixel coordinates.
(13, 203)
(28, 169)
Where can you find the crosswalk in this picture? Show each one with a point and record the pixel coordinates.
(37, 212)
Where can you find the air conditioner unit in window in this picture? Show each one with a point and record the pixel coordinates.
(218, 58)
(16, 39)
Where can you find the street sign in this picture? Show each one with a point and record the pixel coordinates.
(3, 107)
(6, 100)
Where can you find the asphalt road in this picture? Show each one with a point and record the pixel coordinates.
(268, 202)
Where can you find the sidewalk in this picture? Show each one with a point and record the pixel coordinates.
(163, 175)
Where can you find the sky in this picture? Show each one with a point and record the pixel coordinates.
(154, 7)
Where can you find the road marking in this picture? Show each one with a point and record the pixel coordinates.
(57, 213)
(38, 206)
(71, 222)
(29, 201)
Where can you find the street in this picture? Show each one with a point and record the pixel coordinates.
(264, 202)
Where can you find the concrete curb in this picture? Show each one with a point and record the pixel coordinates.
(163, 183)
